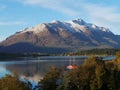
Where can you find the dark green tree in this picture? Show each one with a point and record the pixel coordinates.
(50, 80)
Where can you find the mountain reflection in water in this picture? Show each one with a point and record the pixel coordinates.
(33, 69)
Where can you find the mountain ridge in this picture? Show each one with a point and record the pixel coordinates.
(69, 35)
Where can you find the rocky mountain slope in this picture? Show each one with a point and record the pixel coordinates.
(58, 36)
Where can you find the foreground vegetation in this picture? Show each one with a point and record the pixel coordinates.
(12, 82)
(93, 74)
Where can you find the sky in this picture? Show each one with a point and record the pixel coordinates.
(15, 15)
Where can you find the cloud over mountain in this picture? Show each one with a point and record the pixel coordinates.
(100, 13)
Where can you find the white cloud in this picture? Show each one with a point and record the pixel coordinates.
(2, 6)
(106, 16)
(12, 23)
(58, 5)
(103, 12)
(71, 7)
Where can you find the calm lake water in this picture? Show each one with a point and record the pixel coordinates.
(34, 69)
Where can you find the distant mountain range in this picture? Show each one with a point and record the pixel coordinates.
(59, 37)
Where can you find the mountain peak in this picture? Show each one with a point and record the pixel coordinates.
(56, 21)
(75, 26)
(77, 21)
(80, 20)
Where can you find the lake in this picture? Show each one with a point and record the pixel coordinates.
(33, 69)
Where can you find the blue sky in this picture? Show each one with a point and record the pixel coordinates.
(15, 15)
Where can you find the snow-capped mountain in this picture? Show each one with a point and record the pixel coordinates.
(73, 25)
(58, 36)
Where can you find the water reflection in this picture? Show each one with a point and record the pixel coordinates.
(3, 71)
(34, 69)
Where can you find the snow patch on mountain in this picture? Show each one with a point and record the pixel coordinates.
(77, 25)
(36, 29)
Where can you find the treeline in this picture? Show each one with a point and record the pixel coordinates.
(4, 56)
(97, 52)
(8, 56)
(93, 74)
